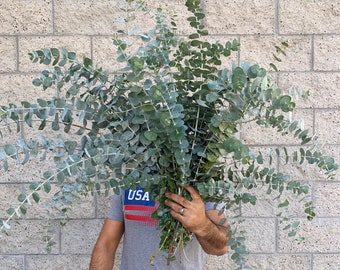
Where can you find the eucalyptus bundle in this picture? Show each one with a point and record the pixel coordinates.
(167, 119)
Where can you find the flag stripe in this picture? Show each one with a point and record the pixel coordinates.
(146, 219)
(140, 208)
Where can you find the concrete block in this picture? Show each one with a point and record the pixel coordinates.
(18, 87)
(322, 87)
(17, 178)
(327, 126)
(253, 134)
(81, 208)
(235, 17)
(258, 228)
(105, 52)
(261, 262)
(84, 17)
(267, 204)
(8, 135)
(326, 52)
(8, 54)
(79, 236)
(12, 262)
(27, 238)
(100, 17)
(65, 262)
(327, 199)
(32, 132)
(334, 151)
(326, 261)
(322, 235)
(103, 204)
(18, 17)
(259, 49)
(81, 45)
(8, 193)
(318, 17)
(30, 172)
(175, 9)
(218, 263)
(281, 262)
(301, 172)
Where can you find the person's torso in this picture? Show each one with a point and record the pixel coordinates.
(142, 241)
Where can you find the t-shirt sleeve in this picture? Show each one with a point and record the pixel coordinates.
(213, 206)
(116, 207)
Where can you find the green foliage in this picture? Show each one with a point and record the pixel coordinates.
(168, 119)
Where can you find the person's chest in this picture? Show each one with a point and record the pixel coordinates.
(138, 207)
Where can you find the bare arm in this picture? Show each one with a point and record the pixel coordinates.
(105, 248)
(213, 237)
(204, 224)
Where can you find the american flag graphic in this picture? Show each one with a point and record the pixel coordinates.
(138, 207)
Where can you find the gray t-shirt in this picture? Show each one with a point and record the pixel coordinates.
(141, 237)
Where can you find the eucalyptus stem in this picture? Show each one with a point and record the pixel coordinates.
(172, 248)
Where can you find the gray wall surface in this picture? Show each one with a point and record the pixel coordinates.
(312, 29)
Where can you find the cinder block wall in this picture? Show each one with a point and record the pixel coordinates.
(312, 29)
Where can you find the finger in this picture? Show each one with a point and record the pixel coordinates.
(193, 193)
(173, 205)
(177, 216)
(177, 199)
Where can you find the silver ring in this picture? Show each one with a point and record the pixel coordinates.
(181, 211)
